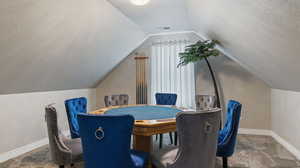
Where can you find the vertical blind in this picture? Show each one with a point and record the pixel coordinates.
(166, 77)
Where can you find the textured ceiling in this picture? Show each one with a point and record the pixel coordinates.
(156, 14)
(264, 35)
(49, 45)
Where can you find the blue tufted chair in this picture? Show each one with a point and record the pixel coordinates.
(73, 107)
(166, 99)
(106, 142)
(228, 135)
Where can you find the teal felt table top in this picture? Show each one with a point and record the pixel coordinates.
(145, 112)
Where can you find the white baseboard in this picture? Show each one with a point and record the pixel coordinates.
(254, 131)
(27, 148)
(291, 148)
(24, 149)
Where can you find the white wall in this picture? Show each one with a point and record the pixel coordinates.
(22, 115)
(121, 80)
(285, 107)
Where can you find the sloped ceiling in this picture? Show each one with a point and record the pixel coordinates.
(58, 45)
(156, 15)
(70, 44)
(262, 34)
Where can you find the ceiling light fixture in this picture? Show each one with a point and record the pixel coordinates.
(139, 2)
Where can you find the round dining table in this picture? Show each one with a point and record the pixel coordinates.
(149, 120)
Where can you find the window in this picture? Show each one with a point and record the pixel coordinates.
(166, 77)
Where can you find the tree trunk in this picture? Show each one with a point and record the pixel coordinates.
(214, 82)
(215, 87)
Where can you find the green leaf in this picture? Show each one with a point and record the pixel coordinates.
(198, 51)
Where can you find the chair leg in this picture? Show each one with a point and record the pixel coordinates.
(171, 137)
(160, 140)
(61, 166)
(175, 138)
(225, 162)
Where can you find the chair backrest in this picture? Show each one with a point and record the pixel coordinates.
(73, 107)
(116, 100)
(55, 143)
(166, 98)
(205, 102)
(106, 140)
(228, 135)
(198, 133)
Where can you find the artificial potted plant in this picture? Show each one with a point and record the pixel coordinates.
(197, 52)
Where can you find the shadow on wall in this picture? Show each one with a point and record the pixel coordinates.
(229, 76)
(222, 65)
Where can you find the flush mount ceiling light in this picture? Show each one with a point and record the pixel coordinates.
(139, 2)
